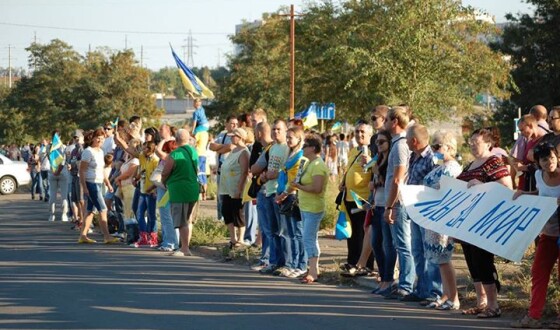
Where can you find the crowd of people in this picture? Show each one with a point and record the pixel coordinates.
(272, 178)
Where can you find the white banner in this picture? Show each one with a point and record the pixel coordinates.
(484, 215)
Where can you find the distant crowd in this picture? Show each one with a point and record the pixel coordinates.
(272, 178)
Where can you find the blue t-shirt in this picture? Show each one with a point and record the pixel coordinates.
(202, 123)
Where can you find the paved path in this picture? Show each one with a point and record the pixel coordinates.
(47, 281)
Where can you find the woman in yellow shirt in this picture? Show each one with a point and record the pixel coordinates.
(312, 186)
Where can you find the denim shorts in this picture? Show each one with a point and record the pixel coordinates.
(95, 197)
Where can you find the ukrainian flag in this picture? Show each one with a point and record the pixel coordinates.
(191, 81)
(309, 117)
(343, 228)
(56, 154)
(337, 127)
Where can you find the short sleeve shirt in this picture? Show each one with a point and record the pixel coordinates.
(147, 166)
(96, 164)
(312, 202)
(398, 156)
(278, 155)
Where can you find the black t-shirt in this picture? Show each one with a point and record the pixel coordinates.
(255, 153)
(373, 145)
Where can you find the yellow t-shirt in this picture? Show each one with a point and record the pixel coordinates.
(312, 202)
(147, 165)
(356, 179)
(201, 143)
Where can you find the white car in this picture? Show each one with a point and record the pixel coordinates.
(13, 174)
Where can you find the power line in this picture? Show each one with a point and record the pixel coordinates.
(109, 31)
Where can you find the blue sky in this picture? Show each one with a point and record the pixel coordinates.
(151, 24)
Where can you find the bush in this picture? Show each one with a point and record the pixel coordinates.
(208, 231)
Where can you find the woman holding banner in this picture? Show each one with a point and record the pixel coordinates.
(486, 167)
(438, 248)
(547, 179)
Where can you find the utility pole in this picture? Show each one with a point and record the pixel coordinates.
(292, 60)
(142, 56)
(219, 55)
(125, 41)
(10, 66)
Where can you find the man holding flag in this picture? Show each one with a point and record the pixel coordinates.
(58, 176)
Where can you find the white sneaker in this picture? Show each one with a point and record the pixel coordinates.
(64, 218)
(298, 272)
(51, 218)
(286, 272)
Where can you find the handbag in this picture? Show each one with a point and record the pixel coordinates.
(290, 207)
(340, 197)
(155, 177)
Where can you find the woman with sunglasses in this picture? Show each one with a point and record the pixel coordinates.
(381, 238)
(547, 179)
(438, 249)
(311, 195)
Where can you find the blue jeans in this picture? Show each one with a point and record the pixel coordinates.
(169, 237)
(36, 184)
(429, 276)
(280, 235)
(297, 258)
(135, 199)
(45, 183)
(311, 222)
(403, 243)
(389, 251)
(95, 197)
(251, 219)
(267, 249)
(146, 202)
(382, 244)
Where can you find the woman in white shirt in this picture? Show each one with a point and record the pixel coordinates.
(91, 180)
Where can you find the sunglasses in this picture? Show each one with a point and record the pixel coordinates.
(436, 146)
(374, 118)
(108, 128)
(380, 142)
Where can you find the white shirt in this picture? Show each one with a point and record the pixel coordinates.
(96, 164)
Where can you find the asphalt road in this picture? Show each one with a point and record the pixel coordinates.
(47, 281)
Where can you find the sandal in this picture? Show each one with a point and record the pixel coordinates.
(474, 310)
(489, 313)
(308, 280)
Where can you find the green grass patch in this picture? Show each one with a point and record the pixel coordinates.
(208, 231)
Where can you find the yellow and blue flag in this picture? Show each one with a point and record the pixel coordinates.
(343, 229)
(337, 127)
(115, 123)
(358, 199)
(309, 118)
(191, 81)
(56, 154)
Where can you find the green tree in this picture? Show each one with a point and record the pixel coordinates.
(429, 54)
(532, 43)
(68, 91)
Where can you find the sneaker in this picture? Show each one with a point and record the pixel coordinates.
(526, 322)
(299, 272)
(278, 271)
(428, 301)
(411, 297)
(64, 218)
(51, 218)
(166, 249)
(118, 235)
(258, 266)
(286, 272)
(395, 294)
(268, 269)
